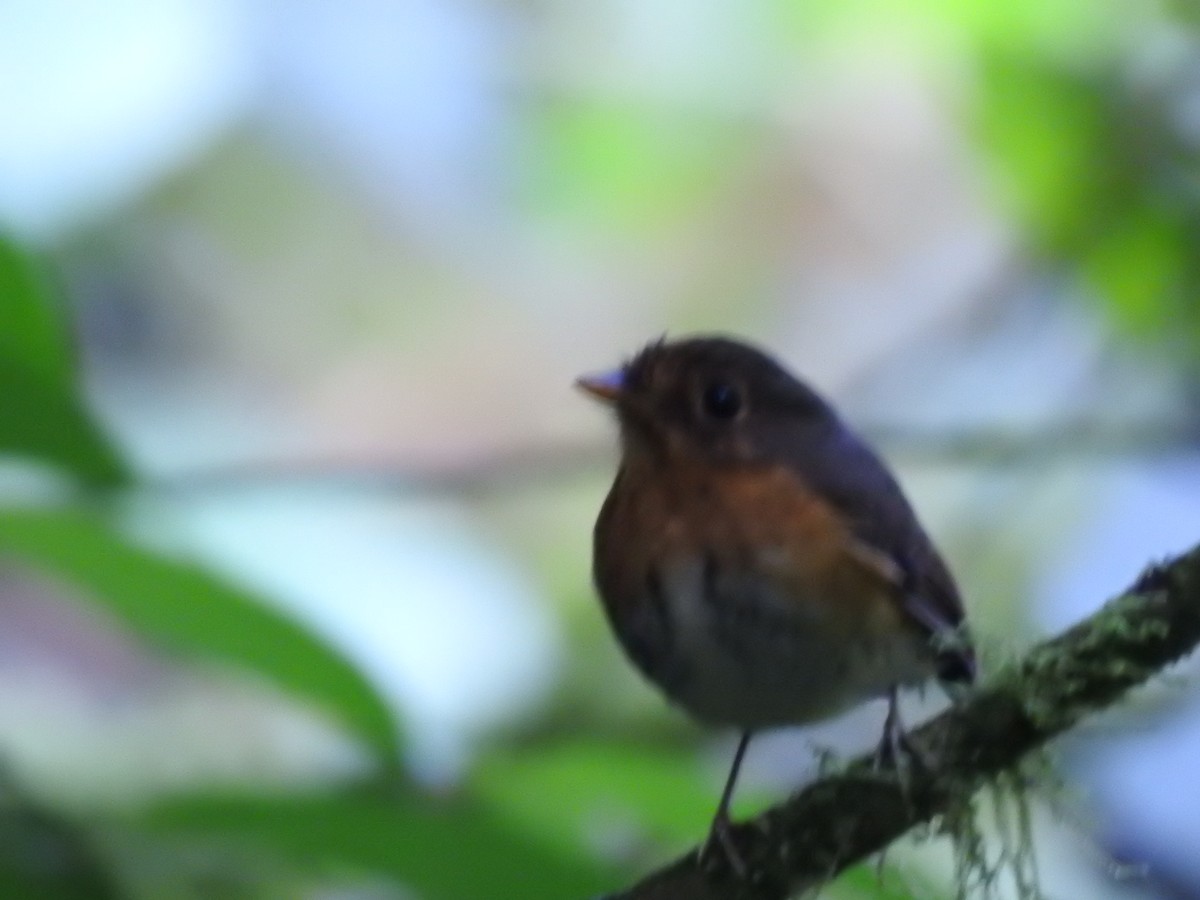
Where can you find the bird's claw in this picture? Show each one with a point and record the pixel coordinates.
(721, 833)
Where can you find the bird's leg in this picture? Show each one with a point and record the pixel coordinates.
(895, 745)
(719, 832)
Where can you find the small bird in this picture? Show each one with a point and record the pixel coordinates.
(755, 558)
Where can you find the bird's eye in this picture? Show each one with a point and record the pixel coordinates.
(722, 401)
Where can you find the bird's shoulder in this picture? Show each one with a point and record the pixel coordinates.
(887, 537)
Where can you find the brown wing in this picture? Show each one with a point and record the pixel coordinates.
(890, 541)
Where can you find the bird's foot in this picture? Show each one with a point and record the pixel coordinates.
(897, 749)
(721, 835)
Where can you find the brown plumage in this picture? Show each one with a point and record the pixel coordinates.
(755, 558)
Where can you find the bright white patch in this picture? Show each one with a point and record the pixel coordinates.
(101, 99)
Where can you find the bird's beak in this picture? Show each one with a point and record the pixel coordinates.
(606, 387)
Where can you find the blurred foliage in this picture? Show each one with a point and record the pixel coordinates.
(458, 848)
(522, 826)
(629, 167)
(45, 855)
(542, 818)
(1106, 181)
(1092, 151)
(42, 415)
(185, 610)
(1086, 113)
(603, 792)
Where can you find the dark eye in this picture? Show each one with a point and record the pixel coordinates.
(722, 401)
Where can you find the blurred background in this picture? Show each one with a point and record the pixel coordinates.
(296, 498)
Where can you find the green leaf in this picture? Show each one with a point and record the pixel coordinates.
(1137, 267)
(183, 608)
(45, 421)
(41, 413)
(455, 850)
(33, 333)
(1147, 276)
(1058, 29)
(563, 793)
(892, 883)
(630, 166)
(44, 857)
(1049, 133)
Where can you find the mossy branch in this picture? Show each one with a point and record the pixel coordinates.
(842, 819)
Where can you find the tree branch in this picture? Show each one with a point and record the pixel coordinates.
(841, 819)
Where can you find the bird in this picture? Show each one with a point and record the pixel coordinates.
(756, 560)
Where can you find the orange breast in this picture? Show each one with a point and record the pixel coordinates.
(754, 519)
(739, 591)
